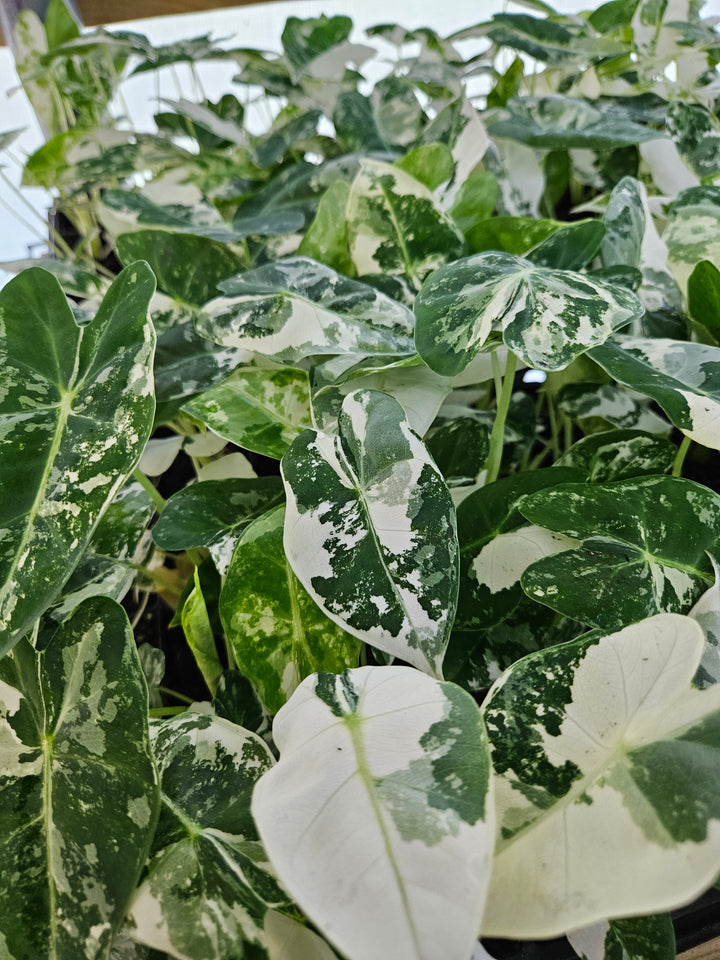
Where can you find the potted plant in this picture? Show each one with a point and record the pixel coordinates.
(406, 409)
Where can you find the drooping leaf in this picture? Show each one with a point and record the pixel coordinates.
(635, 938)
(547, 317)
(278, 633)
(404, 756)
(296, 307)
(258, 409)
(643, 551)
(77, 776)
(76, 411)
(208, 885)
(370, 530)
(395, 226)
(210, 511)
(615, 777)
(683, 378)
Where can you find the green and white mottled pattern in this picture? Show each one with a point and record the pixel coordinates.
(296, 307)
(607, 780)
(615, 404)
(208, 884)
(707, 613)
(683, 378)
(76, 408)
(278, 633)
(547, 317)
(644, 548)
(370, 530)
(395, 226)
(635, 938)
(402, 759)
(78, 791)
(620, 454)
(258, 409)
(696, 131)
(693, 231)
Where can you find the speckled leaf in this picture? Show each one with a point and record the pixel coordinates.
(258, 409)
(206, 513)
(707, 613)
(403, 759)
(607, 780)
(561, 123)
(492, 552)
(128, 211)
(683, 378)
(76, 409)
(543, 39)
(395, 226)
(370, 530)
(693, 231)
(296, 307)
(624, 220)
(696, 132)
(619, 455)
(636, 938)
(305, 40)
(643, 551)
(460, 448)
(596, 405)
(547, 317)
(79, 794)
(208, 887)
(278, 633)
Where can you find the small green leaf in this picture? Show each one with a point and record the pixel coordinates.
(636, 938)
(510, 234)
(703, 294)
(199, 634)
(278, 633)
(326, 239)
(430, 163)
(569, 248)
(370, 530)
(474, 202)
(406, 754)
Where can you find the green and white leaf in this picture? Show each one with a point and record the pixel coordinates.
(259, 409)
(403, 758)
(619, 455)
(547, 317)
(635, 938)
(208, 885)
(697, 133)
(707, 613)
(644, 548)
(370, 530)
(74, 280)
(605, 762)
(597, 405)
(76, 408)
(693, 231)
(295, 308)
(278, 633)
(78, 776)
(683, 378)
(395, 226)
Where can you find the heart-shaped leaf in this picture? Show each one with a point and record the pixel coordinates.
(78, 776)
(370, 530)
(76, 411)
(547, 317)
(404, 757)
(606, 763)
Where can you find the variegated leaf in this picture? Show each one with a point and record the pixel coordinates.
(607, 778)
(693, 231)
(683, 378)
(547, 317)
(599, 405)
(76, 409)
(278, 633)
(403, 759)
(636, 938)
(78, 792)
(395, 226)
(707, 613)
(619, 455)
(644, 548)
(370, 530)
(258, 409)
(295, 308)
(208, 885)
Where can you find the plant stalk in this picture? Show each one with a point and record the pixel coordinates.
(492, 464)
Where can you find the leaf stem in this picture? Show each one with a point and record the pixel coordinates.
(680, 457)
(150, 488)
(174, 693)
(166, 711)
(492, 464)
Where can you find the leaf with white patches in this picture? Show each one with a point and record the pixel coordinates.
(683, 378)
(258, 409)
(208, 885)
(635, 938)
(402, 757)
(607, 780)
(278, 633)
(693, 231)
(395, 226)
(497, 543)
(599, 405)
(295, 308)
(76, 409)
(370, 530)
(696, 131)
(643, 551)
(620, 454)
(547, 317)
(707, 613)
(78, 795)
(73, 279)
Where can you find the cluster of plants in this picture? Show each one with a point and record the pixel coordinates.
(406, 407)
